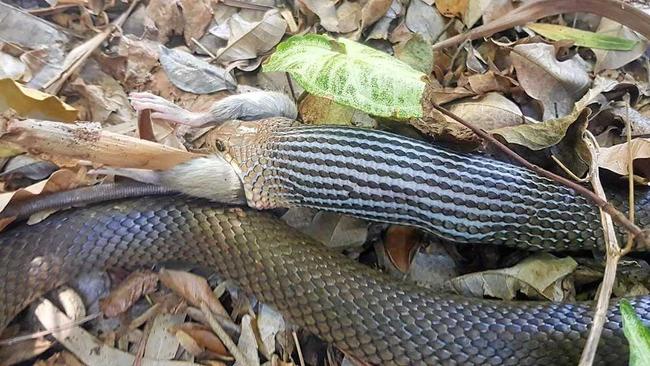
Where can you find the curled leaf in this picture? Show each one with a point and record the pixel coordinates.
(194, 75)
(135, 286)
(540, 274)
(615, 158)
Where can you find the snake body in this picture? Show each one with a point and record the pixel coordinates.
(364, 312)
(369, 174)
(385, 177)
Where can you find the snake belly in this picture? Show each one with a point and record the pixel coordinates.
(362, 311)
(385, 177)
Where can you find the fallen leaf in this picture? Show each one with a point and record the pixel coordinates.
(135, 286)
(582, 38)
(23, 351)
(486, 9)
(31, 103)
(416, 52)
(11, 67)
(538, 275)
(432, 266)
(203, 337)
(372, 11)
(193, 288)
(452, 8)
(161, 343)
(400, 244)
(614, 59)
(425, 20)
(194, 75)
(197, 15)
(557, 84)
(249, 40)
(349, 16)
(489, 112)
(333, 230)
(489, 82)
(560, 137)
(269, 323)
(615, 158)
(326, 12)
(248, 343)
(79, 341)
(164, 19)
(382, 26)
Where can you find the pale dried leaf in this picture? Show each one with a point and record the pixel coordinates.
(349, 16)
(248, 343)
(194, 75)
(79, 341)
(269, 323)
(197, 15)
(165, 17)
(326, 11)
(333, 230)
(488, 112)
(203, 338)
(373, 10)
(615, 158)
(557, 84)
(539, 274)
(23, 351)
(249, 40)
(606, 59)
(161, 343)
(425, 20)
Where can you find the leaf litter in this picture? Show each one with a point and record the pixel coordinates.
(536, 93)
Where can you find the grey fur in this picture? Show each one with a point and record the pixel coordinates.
(209, 177)
(251, 106)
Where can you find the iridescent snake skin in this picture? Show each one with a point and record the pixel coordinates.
(364, 312)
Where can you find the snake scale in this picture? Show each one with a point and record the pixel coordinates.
(370, 174)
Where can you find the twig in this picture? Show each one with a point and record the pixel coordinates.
(225, 338)
(43, 333)
(616, 215)
(298, 349)
(613, 256)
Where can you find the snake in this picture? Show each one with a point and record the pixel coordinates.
(370, 174)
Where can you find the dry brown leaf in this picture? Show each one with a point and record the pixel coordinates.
(140, 57)
(193, 288)
(79, 341)
(615, 158)
(249, 40)
(557, 84)
(23, 351)
(197, 15)
(372, 11)
(452, 8)
(135, 286)
(489, 82)
(349, 16)
(400, 245)
(161, 342)
(560, 137)
(326, 12)
(165, 19)
(203, 338)
(537, 275)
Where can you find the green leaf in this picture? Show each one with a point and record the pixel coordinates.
(582, 38)
(637, 334)
(351, 74)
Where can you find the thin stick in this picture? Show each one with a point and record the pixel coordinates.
(613, 256)
(43, 333)
(600, 202)
(298, 349)
(225, 338)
